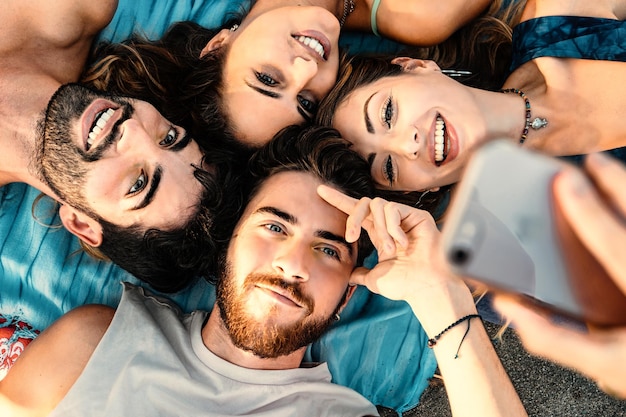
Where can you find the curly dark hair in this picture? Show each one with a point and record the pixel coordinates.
(316, 150)
(186, 88)
(171, 74)
(169, 260)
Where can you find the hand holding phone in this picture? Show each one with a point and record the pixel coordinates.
(503, 228)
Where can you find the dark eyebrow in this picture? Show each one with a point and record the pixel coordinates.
(278, 213)
(370, 159)
(368, 122)
(182, 144)
(154, 186)
(324, 234)
(291, 219)
(307, 117)
(263, 91)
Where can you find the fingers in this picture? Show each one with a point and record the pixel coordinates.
(359, 276)
(599, 355)
(608, 174)
(383, 220)
(600, 229)
(337, 198)
(358, 209)
(379, 233)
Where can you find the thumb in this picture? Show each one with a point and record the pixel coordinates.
(368, 277)
(359, 275)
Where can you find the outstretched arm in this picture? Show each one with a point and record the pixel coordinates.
(599, 354)
(410, 269)
(51, 363)
(415, 22)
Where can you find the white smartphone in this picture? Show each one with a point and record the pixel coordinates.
(504, 229)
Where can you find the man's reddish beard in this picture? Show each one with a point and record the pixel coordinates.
(263, 339)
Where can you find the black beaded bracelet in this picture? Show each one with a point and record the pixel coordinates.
(433, 341)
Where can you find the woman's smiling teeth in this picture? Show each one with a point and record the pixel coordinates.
(99, 123)
(312, 43)
(440, 140)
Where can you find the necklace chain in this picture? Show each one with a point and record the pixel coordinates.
(536, 124)
(348, 8)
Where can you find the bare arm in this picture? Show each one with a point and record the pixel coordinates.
(410, 269)
(599, 354)
(50, 365)
(416, 22)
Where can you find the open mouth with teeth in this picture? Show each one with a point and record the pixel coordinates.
(99, 122)
(442, 141)
(312, 43)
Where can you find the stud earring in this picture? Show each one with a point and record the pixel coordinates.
(234, 27)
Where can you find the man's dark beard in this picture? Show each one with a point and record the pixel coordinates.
(63, 164)
(263, 340)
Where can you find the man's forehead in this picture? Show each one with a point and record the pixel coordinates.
(295, 192)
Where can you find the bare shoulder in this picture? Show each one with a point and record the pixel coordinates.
(51, 364)
(61, 22)
(610, 9)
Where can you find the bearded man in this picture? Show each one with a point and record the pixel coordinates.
(289, 270)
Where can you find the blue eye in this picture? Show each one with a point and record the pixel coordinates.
(266, 79)
(309, 106)
(388, 171)
(274, 228)
(170, 138)
(330, 252)
(387, 112)
(139, 184)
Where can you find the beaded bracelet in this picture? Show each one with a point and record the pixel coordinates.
(433, 341)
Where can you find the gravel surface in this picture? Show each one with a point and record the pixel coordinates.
(546, 389)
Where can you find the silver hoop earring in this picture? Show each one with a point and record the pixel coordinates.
(337, 317)
(456, 73)
(234, 27)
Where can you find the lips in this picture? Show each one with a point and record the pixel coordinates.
(316, 42)
(96, 121)
(281, 295)
(441, 141)
(444, 147)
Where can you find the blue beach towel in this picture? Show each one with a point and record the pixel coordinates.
(378, 348)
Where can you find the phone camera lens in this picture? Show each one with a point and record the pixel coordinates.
(459, 256)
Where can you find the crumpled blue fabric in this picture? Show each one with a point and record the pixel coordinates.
(151, 18)
(378, 348)
(569, 37)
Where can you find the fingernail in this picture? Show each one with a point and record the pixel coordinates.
(599, 158)
(577, 182)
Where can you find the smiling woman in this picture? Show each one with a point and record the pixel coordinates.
(264, 92)
(283, 57)
(271, 66)
(418, 127)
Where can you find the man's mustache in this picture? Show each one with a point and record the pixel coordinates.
(293, 289)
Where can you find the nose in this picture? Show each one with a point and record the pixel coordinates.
(135, 139)
(305, 70)
(291, 261)
(405, 142)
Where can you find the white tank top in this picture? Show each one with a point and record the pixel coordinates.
(152, 362)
